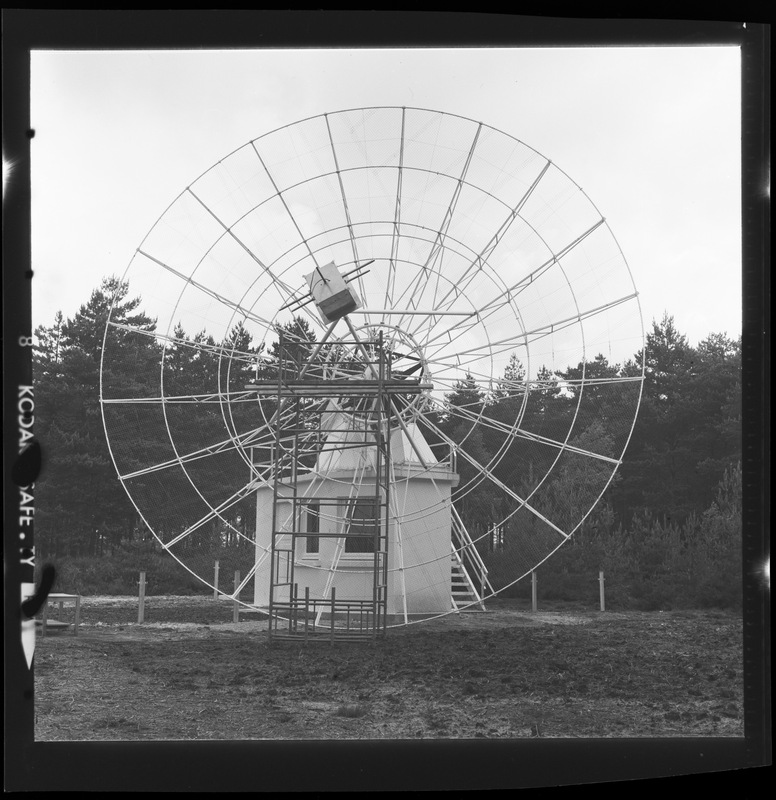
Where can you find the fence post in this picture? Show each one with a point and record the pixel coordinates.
(307, 610)
(215, 582)
(533, 591)
(601, 589)
(236, 609)
(294, 613)
(141, 599)
(333, 607)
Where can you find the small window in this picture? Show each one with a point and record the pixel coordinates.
(312, 525)
(360, 523)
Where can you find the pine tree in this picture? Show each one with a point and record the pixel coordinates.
(82, 507)
(669, 358)
(688, 429)
(47, 351)
(512, 383)
(298, 340)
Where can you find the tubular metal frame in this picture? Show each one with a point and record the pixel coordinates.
(297, 614)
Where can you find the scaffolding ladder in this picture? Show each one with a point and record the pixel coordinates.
(301, 433)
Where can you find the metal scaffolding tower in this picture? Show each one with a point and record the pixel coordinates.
(323, 412)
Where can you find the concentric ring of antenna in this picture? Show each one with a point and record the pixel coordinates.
(491, 274)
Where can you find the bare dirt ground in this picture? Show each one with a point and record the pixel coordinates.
(188, 672)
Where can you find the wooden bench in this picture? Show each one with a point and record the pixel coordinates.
(61, 599)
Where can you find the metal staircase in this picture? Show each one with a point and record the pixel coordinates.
(469, 583)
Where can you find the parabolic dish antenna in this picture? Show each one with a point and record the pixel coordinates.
(490, 284)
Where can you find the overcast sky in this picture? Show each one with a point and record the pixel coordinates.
(651, 134)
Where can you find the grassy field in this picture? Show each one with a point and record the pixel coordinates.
(188, 672)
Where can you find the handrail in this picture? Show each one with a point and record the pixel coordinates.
(468, 548)
(466, 542)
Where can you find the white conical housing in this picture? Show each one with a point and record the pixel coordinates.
(349, 447)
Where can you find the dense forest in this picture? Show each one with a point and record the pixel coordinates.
(667, 532)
